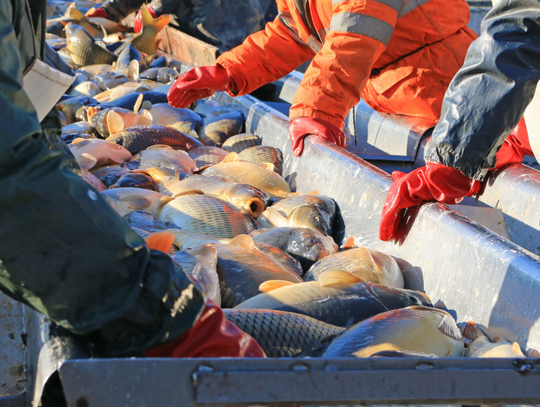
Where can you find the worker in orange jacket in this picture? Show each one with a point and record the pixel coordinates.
(399, 55)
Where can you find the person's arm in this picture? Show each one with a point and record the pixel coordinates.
(64, 251)
(333, 83)
(487, 97)
(265, 56)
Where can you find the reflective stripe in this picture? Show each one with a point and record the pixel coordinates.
(362, 24)
(410, 5)
(286, 19)
(395, 4)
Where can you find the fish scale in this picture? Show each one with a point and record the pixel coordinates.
(320, 202)
(84, 50)
(263, 154)
(137, 138)
(281, 334)
(207, 215)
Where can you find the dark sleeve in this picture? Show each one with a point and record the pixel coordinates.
(488, 96)
(64, 251)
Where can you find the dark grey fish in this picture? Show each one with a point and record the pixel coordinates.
(219, 122)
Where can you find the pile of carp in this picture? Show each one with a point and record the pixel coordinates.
(265, 254)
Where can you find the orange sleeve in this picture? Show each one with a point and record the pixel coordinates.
(359, 33)
(265, 57)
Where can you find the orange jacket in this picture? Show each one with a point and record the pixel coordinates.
(348, 39)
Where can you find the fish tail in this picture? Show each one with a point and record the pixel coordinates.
(162, 241)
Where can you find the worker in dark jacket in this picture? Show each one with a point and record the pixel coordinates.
(477, 131)
(223, 23)
(66, 253)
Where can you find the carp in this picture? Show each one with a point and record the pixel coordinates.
(138, 138)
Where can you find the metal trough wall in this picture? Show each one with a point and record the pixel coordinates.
(478, 275)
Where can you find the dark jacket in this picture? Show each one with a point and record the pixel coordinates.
(488, 96)
(64, 251)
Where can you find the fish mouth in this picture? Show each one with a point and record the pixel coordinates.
(255, 207)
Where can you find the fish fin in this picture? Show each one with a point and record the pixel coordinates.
(268, 166)
(204, 167)
(337, 277)
(74, 13)
(189, 192)
(90, 112)
(245, 242)
(230, 158)
(115, 123)
(146, 17)
(350, 243)
(86, 161)
(133, 71)
(138, 102)
(516, 349)
(161, 22)
(314, 192)
(449, 328)
(162, 241)
(272, 285)
(145, 118)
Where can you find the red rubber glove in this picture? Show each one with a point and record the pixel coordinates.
(199, 83)
(515, 147)
(97, 12)
(302, 127)
(137, 24)
(212, 336)
(434, 182)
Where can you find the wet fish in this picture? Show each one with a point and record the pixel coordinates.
(110, 122)
(145, 220)
(207, 215)
(207, 155)
(129, 53)
(110, 79)
(136, 180)
(333, 299)
(83, 48)
(200, 262)
(128, 101)
(263, 154)
(240, 142)
(69, 106)
(257, 175)
(145, 41)
(92, 70)
(162, 156)
(91, 179)
(412, 329)
(109, 174)
(78, 127)
(370, 265)
(91, 153)
(159, 62)
(138, 138)
(126, 200)
(219, 122)
(242, 267)
(184, 239)
(482, 347)
(242, 196)
(183, 120)
(305, 245)
(311, 211)
(120, 91)
(281, 334)
(87, 88)
(282, 258)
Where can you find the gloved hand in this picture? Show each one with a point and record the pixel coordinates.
(515, 147)
(212, 336)
(97, 12)
(137, 24)
(199, 83)
(302, 127)
(434, 182)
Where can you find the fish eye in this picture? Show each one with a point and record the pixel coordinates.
(317, 218)
(311, 241)
(413, 300)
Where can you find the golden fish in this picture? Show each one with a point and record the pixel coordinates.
(91, 153)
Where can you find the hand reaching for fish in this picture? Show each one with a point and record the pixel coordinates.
(302, 127)
(199, 83)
